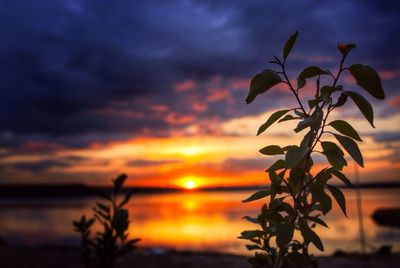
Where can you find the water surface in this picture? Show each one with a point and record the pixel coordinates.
(202, 221)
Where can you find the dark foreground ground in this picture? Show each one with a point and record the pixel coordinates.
(61, 257)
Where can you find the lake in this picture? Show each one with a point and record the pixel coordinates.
(200, 221)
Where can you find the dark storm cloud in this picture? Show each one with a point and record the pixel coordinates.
(81, 70)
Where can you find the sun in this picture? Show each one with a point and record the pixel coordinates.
(190, 184)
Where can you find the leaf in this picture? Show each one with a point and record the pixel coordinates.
(272, 150)
(272, 119)
(301, 82)
(311, 71)
(338, 195)
(119, 181)
(304, 124)
(253, 247)
(310, 236)
(319, 195)
(279, 164)
(294, 155)
(341, 100)
(126, 200)
(284, 234)
(251, 234)
(345, 128)
(257, 195)
(319, 221)
(367, 78)
(364, 106)
(261, 83)
(351, 147)
(250, 219)
(103, 207)
(334, 154)
(342, 177)
(289, 45)
(327, 90)
(288, 117)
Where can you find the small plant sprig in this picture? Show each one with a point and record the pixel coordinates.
(111, 243)
(298, 195)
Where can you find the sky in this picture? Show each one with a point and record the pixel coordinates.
(156, 89)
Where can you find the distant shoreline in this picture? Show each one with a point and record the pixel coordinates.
(19, 191)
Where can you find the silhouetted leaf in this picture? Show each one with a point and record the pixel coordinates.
(279, 164)
(351, 147)
(272, 150)
(250, 219)
(251, 234)
(310, 236)
(294, 155)
(103, 207)
(367, 78)
(289, 45)
(364, 106)
(338, 195)
(288, 117)
(345, 128)
(341, 100)
(342, 177)
(261, 83)
(284, 234)
(253, 247)
(257, 195)
(126, 200)
(272, 119)
(334, 154)
(119, 181)
(311, 71)
(319, 221)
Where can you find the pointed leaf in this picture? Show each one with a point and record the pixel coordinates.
(351, 147)
(261, 83)
(272, 119)
(284, 234)
(367, 78)
(272, 150)
(126, 200)
(364, 106)
(334, 154)
(257, 195)
(342, 177)
(251, 234)
(311, 71)
(319, 221)
(119, 181)
(289, 45)
(310, 236)
(279, 164)
(338, 195)
(345, 128)
(294, 155)
(288, 117)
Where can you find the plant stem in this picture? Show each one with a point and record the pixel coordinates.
(292, 88)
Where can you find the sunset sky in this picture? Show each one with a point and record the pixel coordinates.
(156, 89)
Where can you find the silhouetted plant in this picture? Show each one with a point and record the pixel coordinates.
(102, 250)
(298, 193)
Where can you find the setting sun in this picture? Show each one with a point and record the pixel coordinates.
(190, 184)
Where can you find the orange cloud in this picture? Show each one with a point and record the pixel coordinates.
(184, 85)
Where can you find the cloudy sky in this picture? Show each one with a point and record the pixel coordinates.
(156, 89)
